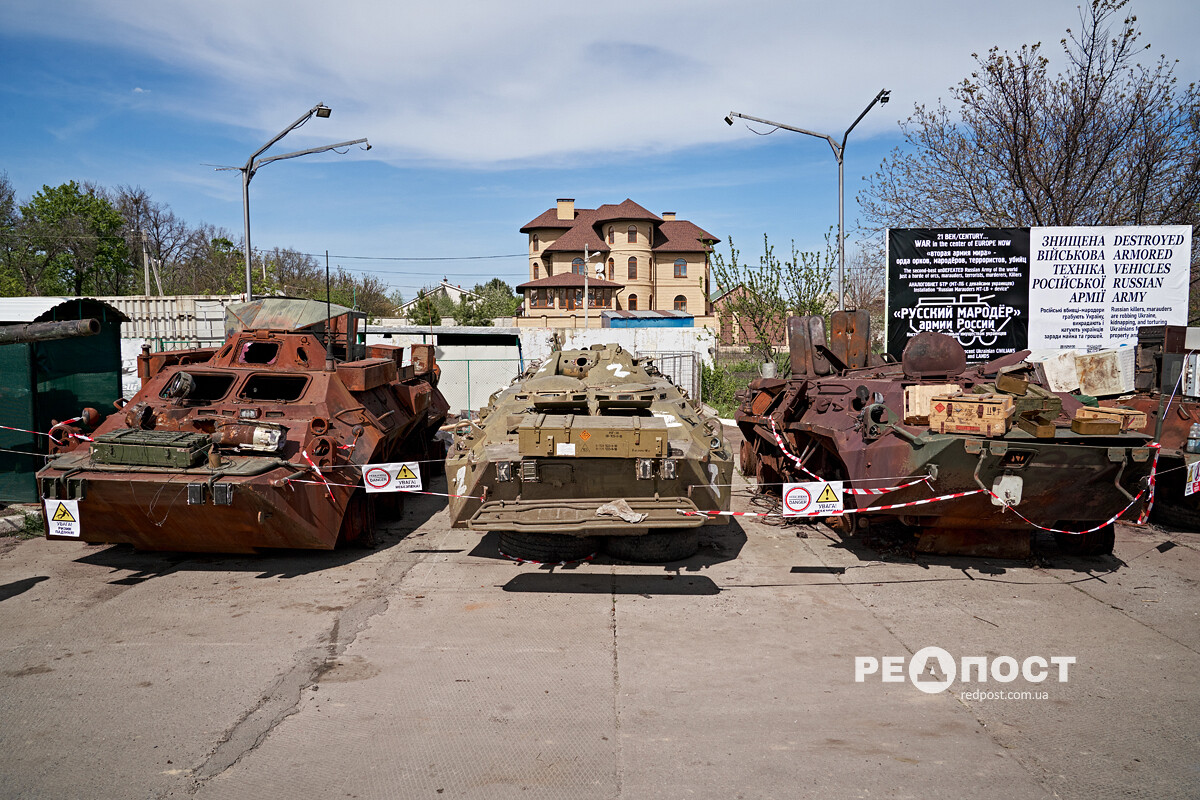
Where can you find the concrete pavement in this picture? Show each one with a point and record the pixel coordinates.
(430, 667)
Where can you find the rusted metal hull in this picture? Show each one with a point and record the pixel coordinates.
(1171, 505)
(848, 425)
(283, 443)
(151, 512)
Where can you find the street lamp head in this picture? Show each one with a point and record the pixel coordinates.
(729, 118)
(884, 96)
(323, 110)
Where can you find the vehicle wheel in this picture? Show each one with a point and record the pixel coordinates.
(654, 547)
(358, 523)
(1096, 543)
(1177, 515)
(547, 547)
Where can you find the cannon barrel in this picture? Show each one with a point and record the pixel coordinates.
(46, 331)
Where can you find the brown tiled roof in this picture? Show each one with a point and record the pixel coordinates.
(583, 232)
(549, 219)
(569, 280)
(681, 236)
(626, 210)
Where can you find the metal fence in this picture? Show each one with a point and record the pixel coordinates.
(682, 368)
(467, 383)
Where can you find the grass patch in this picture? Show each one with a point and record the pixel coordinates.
(722, 382)
(31, 528)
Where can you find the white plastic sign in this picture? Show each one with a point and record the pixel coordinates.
(63, 517)
(1193, 478)
(812, 499)
(403, 476)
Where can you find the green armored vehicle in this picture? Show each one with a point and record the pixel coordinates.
(591, 449)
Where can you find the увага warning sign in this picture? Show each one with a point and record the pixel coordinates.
(63, 517)
(400, 477)
(812, 499)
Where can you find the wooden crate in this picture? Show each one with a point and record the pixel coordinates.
(917, 397)
(1130, 419)
(977, 414)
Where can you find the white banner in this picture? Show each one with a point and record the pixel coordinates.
(812, 499)
(399, 477)
(1091, 288)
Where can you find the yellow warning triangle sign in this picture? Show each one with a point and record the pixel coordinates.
(827, 495)
(405, 474)
(62, 515)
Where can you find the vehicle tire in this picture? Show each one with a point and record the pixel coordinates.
(1177, 515)
(654, 547)
(547, 548)
(1096, 543)
(358, 523)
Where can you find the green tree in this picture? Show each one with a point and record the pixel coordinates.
(13, 250)
(77, 242)
(425, 311)
(496, 299)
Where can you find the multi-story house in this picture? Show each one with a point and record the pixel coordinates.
(649, 263)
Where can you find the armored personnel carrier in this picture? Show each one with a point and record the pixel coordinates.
(982, 455)
(590, 444)
(260, 443)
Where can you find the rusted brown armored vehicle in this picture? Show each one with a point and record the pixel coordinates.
(260, 443)
(593, 448)
(1167, 401)
(1005, 455)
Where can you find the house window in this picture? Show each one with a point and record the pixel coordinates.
(535, 271)
(632, 302)
(612, 270)
(541, 298)
(680, 268)
(599, 298)
(631, 235)
(535, 242)
(577, 266)
(612, 235)
(680, 303)
(632, 268)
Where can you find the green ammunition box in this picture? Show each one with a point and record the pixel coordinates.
(134, 447)
(582, 436)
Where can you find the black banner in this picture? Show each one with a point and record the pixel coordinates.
(970, 283)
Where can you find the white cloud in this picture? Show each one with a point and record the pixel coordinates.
(140, 90)
(480, 82)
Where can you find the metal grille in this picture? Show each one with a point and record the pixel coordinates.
(682, 368)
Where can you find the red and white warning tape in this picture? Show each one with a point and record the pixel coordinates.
(690, 513)
(404, 491)
(1145, 515)
(1104, 524)
(317, 470)
(888, 489)
(796, 460)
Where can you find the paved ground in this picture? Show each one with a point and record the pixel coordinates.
(432, 668)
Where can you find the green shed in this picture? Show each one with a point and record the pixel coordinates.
(51, 380)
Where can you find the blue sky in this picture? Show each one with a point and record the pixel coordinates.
(481, 114)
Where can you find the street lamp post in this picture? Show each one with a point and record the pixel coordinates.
(254, 162)
(839, 151)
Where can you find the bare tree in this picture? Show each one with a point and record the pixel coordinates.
(1107, 141)
(865, 276)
